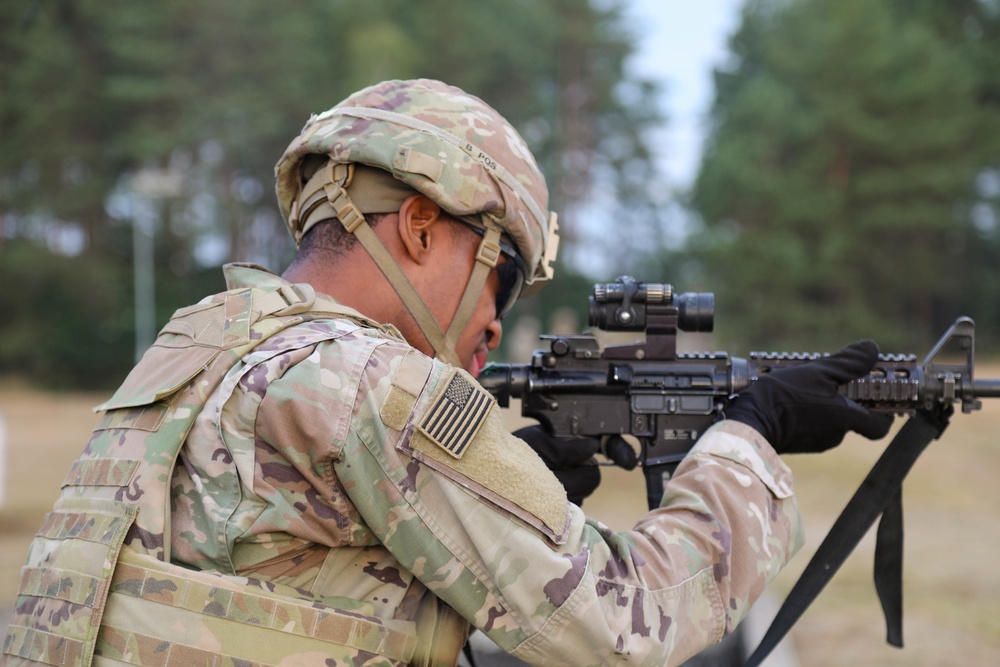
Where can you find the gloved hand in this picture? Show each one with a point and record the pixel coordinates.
(570, 459)
(798, 409)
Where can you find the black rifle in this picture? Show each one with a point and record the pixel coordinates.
(667, 400)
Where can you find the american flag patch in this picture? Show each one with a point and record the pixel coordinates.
(457, 415)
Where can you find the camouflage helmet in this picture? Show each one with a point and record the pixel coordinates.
(440, 141)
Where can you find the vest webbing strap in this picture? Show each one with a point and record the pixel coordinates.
(879, 493)
(43, 647)
(167, 653)
(237, 604)
(54, 582)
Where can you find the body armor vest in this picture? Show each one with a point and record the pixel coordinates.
(98, 587)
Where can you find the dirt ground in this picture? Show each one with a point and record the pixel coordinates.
(951, 506)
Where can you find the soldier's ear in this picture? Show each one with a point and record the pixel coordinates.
(418, 226)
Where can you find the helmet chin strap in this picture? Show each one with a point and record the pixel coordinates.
(444, 343)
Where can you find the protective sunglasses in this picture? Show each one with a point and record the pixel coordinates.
(511, 273)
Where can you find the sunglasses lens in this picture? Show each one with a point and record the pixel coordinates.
(511, 282)
(511, 272)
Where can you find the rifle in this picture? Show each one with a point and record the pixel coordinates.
(668, 399)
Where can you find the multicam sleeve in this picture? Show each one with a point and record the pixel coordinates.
(473, 513)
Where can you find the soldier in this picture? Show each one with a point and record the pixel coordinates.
(303, 470)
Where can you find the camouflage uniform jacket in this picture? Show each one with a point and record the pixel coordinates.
(335, 463)
(340, 460)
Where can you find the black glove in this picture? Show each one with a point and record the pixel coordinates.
(799, 410)
(571, 460)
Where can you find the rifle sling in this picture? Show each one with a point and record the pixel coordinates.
(880, 493)
(889, 568)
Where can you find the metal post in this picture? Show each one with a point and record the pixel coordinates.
(3, 460)
(143, 273)
(152, 186)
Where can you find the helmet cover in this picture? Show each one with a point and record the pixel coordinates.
(440, 141)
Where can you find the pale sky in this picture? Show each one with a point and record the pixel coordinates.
(680, 43)
(684, 41)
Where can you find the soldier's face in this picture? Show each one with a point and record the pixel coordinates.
(438, 254)
(442, 286)
(483, 332)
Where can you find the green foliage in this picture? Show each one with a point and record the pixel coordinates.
(57, 309)
(69, 321)
(101, 100)
(161, 85)
(837, 184)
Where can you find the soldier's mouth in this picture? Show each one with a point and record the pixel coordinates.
(479, 361)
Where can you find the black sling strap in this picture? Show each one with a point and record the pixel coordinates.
(880, 493)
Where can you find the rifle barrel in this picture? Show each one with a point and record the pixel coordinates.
(986, 388)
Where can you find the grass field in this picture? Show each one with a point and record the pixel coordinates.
(951, 506)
